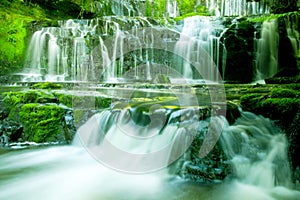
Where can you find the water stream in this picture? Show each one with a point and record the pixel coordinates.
(254, 146)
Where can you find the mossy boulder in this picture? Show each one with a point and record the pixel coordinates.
(45, 115)
(42, 123)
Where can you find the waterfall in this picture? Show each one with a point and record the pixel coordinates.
(120, 49)
(204, 38)
(292, 27)
(267, 50)
(60, 53)
(42, 51)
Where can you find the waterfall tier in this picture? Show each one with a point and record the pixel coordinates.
(120, 49)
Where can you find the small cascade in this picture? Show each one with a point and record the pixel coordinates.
(267, 50)
(150, 141)
(258, 152)
(60, 53)
(204, 35)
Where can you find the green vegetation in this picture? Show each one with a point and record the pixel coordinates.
(279, 104)
(42, 123)
(283, 6)
(42, 112)
(46, 85)
(13, 99)
(16, 19)
(271, 17)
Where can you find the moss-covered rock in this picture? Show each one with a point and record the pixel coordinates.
(31, 96)
(42, 123)
(46, 115)
(280, 104)
(66, 99)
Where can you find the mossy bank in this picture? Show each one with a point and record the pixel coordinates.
(44, 115)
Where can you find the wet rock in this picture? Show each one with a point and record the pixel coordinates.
(10, 131)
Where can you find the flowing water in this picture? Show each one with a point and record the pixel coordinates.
(256, 150)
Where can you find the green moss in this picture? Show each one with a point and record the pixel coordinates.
(42, 123)
(65, 99)
(14, 21)
(191, 14)
(32, 96)
(279, 104)
(78, 115)
(102, 102)
(262, 18)
(283, 109)
(293, 86)
(46, 85)
(251, 102)
(284, 93)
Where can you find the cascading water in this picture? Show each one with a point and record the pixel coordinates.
(67, 52)
(277, 47)
(254, 147)
(205, 33)
(267, 50)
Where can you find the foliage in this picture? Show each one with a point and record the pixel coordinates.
(14, 20)
(186, 6)
(58, 8)
(283, 6)
(271, 17)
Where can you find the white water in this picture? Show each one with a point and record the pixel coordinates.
(293, 34)
(267, 50)
(200, 42)
(256, 150)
